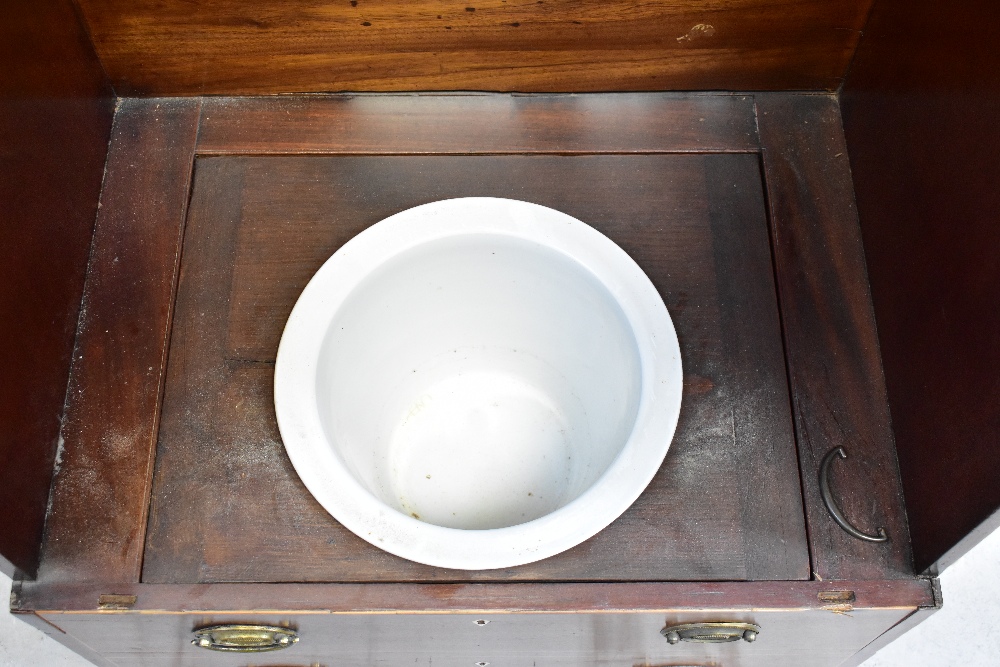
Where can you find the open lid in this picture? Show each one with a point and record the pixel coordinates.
(919, 108)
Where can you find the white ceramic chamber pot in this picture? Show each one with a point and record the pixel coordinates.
(478, 383)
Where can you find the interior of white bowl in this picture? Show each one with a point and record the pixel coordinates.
(478, 383)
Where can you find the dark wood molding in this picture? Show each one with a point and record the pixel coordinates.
(471, 597)
(838, 392)
(96, 524)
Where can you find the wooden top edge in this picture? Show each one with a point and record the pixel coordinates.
(469, 598)
(445, 123)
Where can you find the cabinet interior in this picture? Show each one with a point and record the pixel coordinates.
(824, 241)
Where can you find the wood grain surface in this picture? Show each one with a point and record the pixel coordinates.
(920, 111)
(55, 118)
(227, 506)
(239, 48)
(838, 391)
(407, 124)
(96, 522)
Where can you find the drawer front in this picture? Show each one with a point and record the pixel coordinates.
(813, 637)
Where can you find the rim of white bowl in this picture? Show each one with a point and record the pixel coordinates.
(360, 511)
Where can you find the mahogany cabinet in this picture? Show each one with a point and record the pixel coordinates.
(174, 174)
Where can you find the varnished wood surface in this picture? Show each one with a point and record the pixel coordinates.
(55, 117)
(240, 48)
(838, 391)
(227, 506)
(542, 624)
(96, 523)
(920, 116)
(404, 124)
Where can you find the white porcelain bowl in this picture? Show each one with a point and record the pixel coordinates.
(478, 383)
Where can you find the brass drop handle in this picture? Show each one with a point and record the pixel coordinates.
(831, 504)
(710, 633)
(242, 638)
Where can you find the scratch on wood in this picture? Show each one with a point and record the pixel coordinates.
(700, 30)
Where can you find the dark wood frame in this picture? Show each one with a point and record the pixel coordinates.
(470, 597)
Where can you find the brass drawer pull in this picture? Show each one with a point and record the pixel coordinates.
(831, 504)
(244, 638)
(710, 633)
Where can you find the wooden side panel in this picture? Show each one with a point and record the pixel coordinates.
(615, 625)
(100, 494)
(261, 226)
(55, 118)
(920, 115)
(838, 391)
(242, 48)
